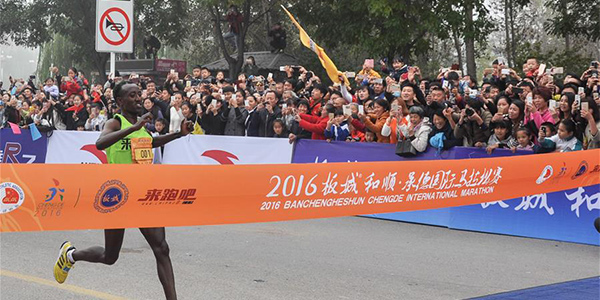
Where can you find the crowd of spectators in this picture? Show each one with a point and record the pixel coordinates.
(542, 109)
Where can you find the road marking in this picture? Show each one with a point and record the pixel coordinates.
(66, 287)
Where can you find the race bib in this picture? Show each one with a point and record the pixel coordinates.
(141, 150)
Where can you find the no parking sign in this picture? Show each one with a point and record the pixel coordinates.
(114, 26)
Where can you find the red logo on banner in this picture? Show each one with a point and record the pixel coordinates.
(222, 157)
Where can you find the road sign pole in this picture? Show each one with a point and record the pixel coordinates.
(112, 64)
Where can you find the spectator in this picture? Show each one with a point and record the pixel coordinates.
(50, 89)
(337, 128)
(235, 113)
(252, 120)
(502, 137)
(235, 19)
(268, 114)
(442, 133)
(96, 120)
(277, 34)
(473, 124)
(149, 107)
(417, 131)
(398, 117)
(316, 124)
(563, 141)
(212, 120)
(380, 115)
(538, 110)
(591, 137)
(279, 129)
(524, 140)
(176, 115)
(76, 114)
(250, 67)
(193, 116)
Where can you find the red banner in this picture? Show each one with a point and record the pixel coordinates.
(68, 197)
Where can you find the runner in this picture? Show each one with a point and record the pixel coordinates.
(117, 132)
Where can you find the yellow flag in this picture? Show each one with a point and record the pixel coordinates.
(329, 66)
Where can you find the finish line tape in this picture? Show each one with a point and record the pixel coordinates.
(37, 197)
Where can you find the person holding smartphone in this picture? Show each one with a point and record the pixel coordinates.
(129, 129)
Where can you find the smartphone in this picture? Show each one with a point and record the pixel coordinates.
(580, 90)
(473, 93)
(350, 74)
(331, 116)
(585, 106)
(172, 71)
(347, 110)
(529, 100)
(595, 94)
(505, 72)
(190, 94)
(394, 107)
(395, 87)
(553, 104)
(282, 69)
(172, 98)
(246, 102)
(361, 109)
(198, 106)
(577, 100)
(270, 76)
(378, 80)
(214, 103)
(558, 70)
(233, 96)
(445, 84)
(284, 105)
(188, 83)
(360, 77)
(542, 69)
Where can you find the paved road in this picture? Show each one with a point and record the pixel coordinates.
(340, 258)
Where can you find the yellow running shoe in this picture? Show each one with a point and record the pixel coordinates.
(63, 265)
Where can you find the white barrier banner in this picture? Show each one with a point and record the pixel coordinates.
(227, 150)
(79, 147)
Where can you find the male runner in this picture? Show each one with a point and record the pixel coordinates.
(117, 132)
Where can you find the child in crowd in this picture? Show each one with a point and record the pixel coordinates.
(160, 126)
(502, 137)
(279, 129)
(370, 137)
(563, 141)
(337, 128)
(523, 141)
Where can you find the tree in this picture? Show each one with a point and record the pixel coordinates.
(32, 23)
(579, 18)
(252, 12)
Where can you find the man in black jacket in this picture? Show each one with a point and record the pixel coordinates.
(268, 114)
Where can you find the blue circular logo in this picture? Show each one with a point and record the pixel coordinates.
(112, 195)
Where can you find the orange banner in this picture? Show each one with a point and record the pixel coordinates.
(66, 197)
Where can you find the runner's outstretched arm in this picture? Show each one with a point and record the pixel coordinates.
(161, 140)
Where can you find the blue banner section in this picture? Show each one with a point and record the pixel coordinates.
(21, 148)
(315, 151)
(565, 216)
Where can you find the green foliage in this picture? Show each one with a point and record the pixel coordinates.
(33, 23)
(571, 61)
(575, 18)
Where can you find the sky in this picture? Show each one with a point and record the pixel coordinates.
(20, 62)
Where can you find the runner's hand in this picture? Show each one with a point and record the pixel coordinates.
(186, 128)
(142, 121)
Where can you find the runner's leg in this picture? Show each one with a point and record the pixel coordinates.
(113, 240)
(156, 239)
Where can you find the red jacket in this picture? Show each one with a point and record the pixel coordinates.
(71, 87)
(314, 124)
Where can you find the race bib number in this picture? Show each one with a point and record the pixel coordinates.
(141, 150)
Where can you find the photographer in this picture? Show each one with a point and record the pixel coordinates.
(473, 125)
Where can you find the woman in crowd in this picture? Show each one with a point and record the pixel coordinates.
(502, 104)
(538, 111)
(417, 131)
(442, 133)
(193, 115)
(398, 116)
(175, 114)
(380, 114)
(591, 137)
(154, 110)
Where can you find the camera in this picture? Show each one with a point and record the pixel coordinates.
(469, 112)
(31, 77)
(594, 64)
